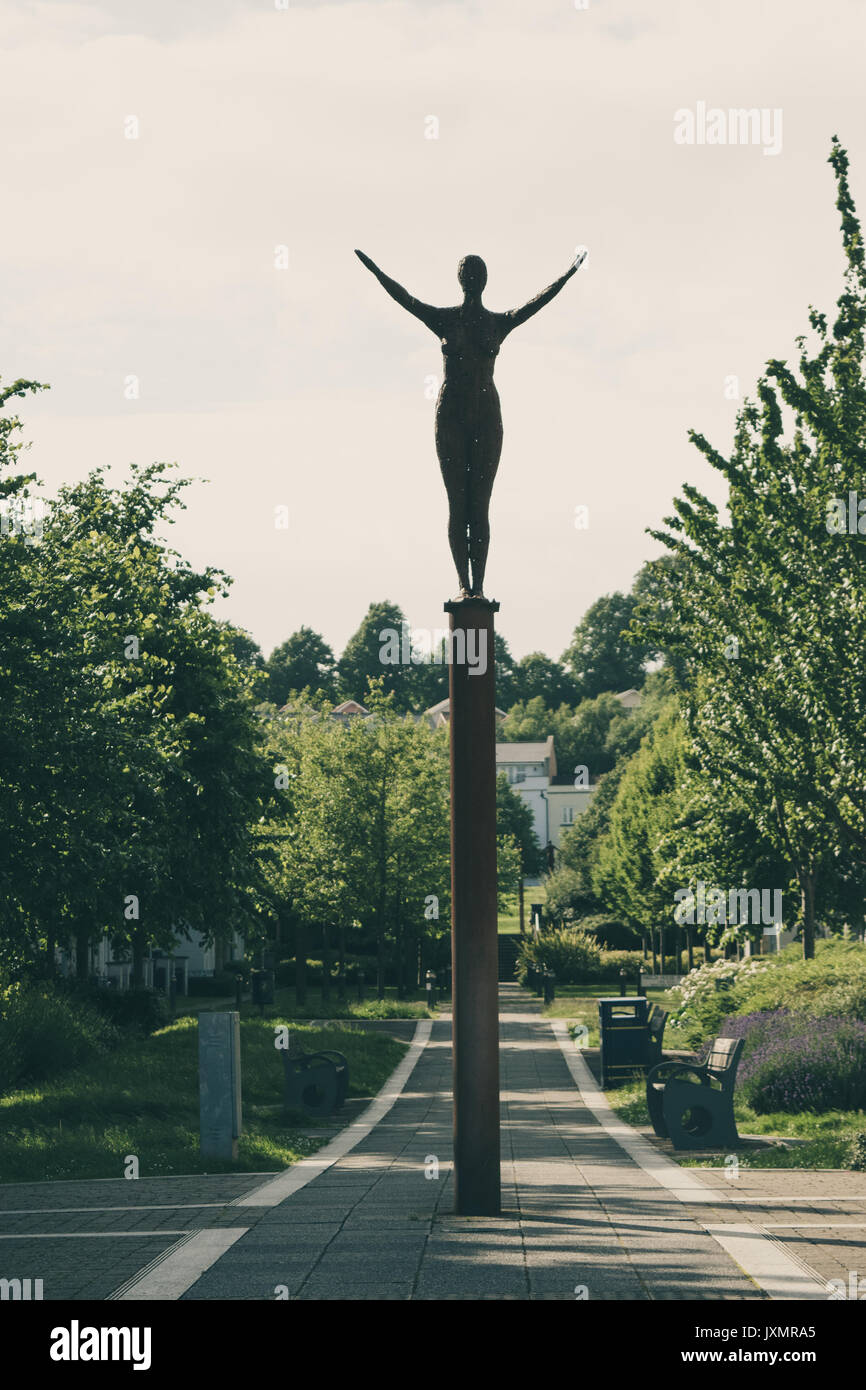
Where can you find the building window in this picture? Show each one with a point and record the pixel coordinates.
(568, 815)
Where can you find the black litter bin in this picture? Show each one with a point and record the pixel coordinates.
(262, 986)
(623, 1023)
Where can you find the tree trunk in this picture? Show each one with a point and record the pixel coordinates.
(300, 962)
(643, 944)
(653, 944)
(138, 949)
(380, 964)
(708, 954)
(807, 900)
(401, 956)
(82, 953)
(520, 900)
(690, 945)
(326, 964)
(662, 947)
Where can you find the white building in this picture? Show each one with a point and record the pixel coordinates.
(190, 956)
(531, 770)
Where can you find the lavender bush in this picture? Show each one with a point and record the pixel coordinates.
(793, 1062)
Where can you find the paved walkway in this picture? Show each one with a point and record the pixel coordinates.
(581, 1218)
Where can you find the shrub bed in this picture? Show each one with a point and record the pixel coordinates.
(831, 985)
(575, 957)
(44, 1032)
(793, 1062)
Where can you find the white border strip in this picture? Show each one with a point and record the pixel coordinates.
(667, 1173)
(765, 1262)
(270, 1194)
(138, 1206)
(85, 1235)
(171, 1276)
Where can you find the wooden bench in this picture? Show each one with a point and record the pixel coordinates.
(696, 1114)
(315, 1082)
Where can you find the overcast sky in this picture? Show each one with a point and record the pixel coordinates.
(307, 387)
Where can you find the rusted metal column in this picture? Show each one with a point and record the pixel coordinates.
(475, 1002)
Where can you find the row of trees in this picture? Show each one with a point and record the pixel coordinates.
(598, 659)
(128, 764)
(355, 836)
(145, 791)
(753, 771)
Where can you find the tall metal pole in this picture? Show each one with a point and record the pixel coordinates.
(475, 1001)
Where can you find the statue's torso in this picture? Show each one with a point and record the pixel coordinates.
(470, 342)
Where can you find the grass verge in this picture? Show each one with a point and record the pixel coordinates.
(142, 1099)
(286, 1006)
(828, 1137)
(579, 1004)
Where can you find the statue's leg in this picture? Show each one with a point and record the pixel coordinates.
(453, 459)
(486, 449)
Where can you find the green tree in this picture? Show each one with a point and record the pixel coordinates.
(756, 608)
(583, 737)
(126, 759)
(303, 662)
(601, 656)
(514, 828)
(506, 686)
(362, 659)
(537, 675)
(361, 826)
(572, 886)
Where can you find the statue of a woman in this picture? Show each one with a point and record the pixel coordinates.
(468, 418)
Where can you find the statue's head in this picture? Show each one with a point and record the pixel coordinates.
(472, 274)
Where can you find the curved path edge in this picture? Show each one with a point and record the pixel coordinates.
(756, 1253)
(186, 1261)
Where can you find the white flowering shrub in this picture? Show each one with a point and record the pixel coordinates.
(709, 993)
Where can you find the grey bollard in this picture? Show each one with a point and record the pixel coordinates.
(219, 1080)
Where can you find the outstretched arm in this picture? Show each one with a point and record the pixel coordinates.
(514, 317)
(425, 312)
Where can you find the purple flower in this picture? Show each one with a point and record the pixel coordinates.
(793, 1062)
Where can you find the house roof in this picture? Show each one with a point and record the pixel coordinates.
(444, 707)
(350, 707)
(522, 752)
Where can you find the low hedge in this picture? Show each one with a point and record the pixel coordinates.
(575, 957)
(211, 986)
(140, 1011)
(44, 1031)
